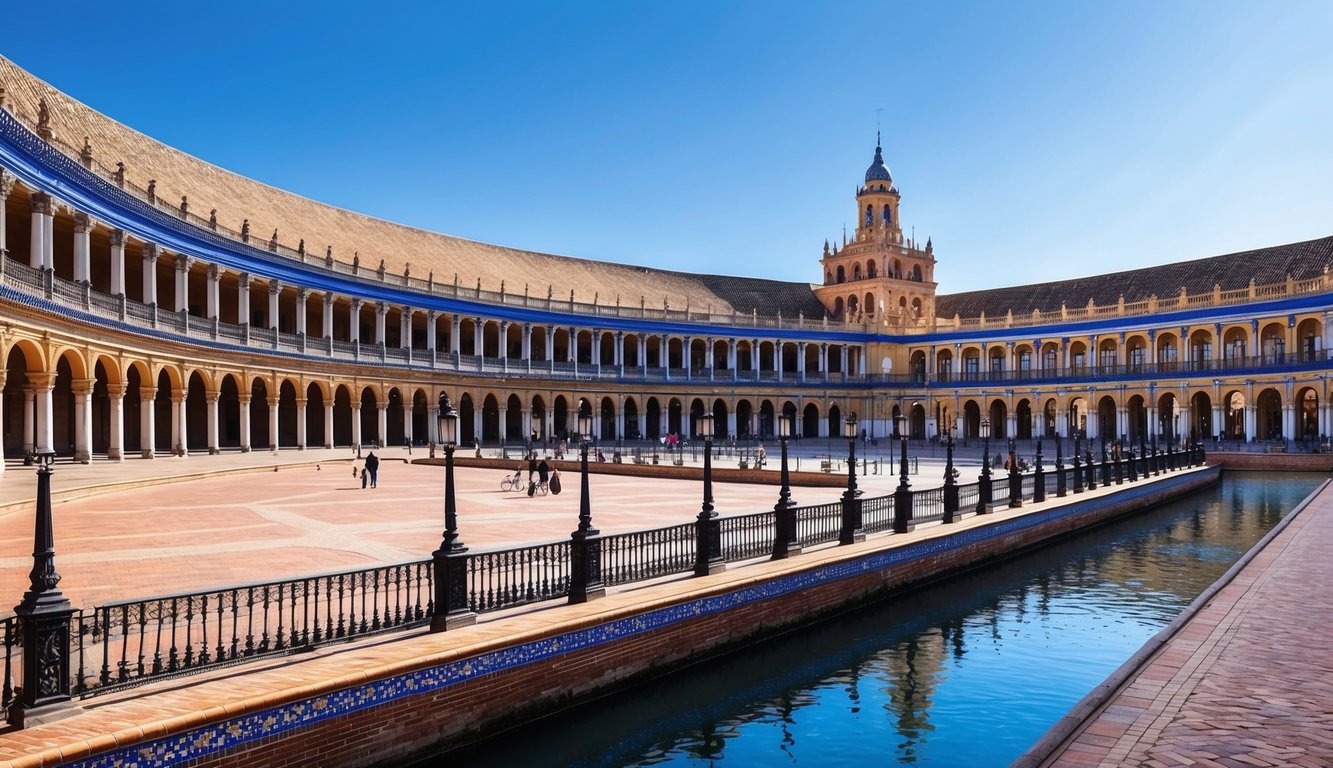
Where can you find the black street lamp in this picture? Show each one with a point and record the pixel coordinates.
(707, 528)
(45, 611)
(902, 496)
(983, 483)
(785, 543)
(1078, 470)
(950, 482)
(850, 530)
(586, 556)
(449, 562)
(1038, 476)
(1061, 483)
(1015, 479)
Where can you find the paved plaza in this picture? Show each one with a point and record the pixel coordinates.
(172, 524)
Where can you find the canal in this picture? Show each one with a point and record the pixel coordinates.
(969, 672)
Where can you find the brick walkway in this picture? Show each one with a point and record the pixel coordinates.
(1245, 681)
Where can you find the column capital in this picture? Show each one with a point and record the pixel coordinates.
(211, 396)
(82, 386)
(117, 238)
(275, 287)
(328, 298)
(151, 251)
(116, 391)
(214, 272)
(7, 180)
(178, 396)
(147, 392)
(183, 263)
(83, 223)
(41, 203)
(41, 382)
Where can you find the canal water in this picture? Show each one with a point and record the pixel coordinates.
(970, 672)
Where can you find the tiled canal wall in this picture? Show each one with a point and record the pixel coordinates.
(380, 721)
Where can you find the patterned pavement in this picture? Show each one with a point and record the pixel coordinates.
(1246, 681)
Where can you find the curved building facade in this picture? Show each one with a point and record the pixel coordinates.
(152, 304)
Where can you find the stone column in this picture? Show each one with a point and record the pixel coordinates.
(432, 337)
(1288, 422)
(274, 443)
(6, 186)
(478, 338)
(243, 300)
(117, 262)
(356, 424)
(179, 428)
(354, 328)
(183, 283)
(550, 344)
(214, 439)
(455, 331)
(40, 250)
(777, 358)
(302, 296)
(328, 316)
(29, 419)
(381, 317)
(1154, 428)
(42, 385)
(405, 328)
(1251, 420)
(214, 292)
(382, 423)
(147, 421)
(83, 419)
(274, 292)
(328, 425)
(115, 449)
(301, 403)
(407, 421)
(83, 226)
(150, 254)
(687, 348)
(243, 398)
(800, 360)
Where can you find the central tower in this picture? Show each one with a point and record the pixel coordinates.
(878, 277)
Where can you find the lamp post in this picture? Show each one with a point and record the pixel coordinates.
(45, 611)
(1061, 483)
(1038, 476)
(950, 482)
(785, 543)
(1015, 479)
(850, 530)
(586, 557)
(902, 495)
(707, 528)
(1078, 470)
(449, 562)
(983, 483)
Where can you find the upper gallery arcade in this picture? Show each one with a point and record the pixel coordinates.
(153, 303)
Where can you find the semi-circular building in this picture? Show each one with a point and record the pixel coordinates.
(153, 304)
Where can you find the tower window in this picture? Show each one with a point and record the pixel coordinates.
(888, 215)
(870, 216)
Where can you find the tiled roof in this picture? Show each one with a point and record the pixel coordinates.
(1231, 271)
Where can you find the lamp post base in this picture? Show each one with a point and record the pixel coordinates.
(453, 621)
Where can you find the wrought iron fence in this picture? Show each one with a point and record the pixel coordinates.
(511, 577)
(818, 524)
(747, 536)
(630, 557)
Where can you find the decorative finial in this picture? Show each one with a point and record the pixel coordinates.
(300, 247)
(185, 205)
(245, 231)
(119, 175)
(273, 241)
(44, 120)
(152, 191)
(213, 219)
(86, 154)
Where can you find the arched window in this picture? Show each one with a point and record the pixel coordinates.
(842, 276)
(856, 271)
(870, 215)
(870, 269)
(888, 215)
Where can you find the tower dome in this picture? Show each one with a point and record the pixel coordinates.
(877, 170)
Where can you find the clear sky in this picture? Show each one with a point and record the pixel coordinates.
(1032, 141)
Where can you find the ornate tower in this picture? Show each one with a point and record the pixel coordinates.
(878, 277)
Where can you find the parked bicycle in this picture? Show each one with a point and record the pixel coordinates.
(513, 482)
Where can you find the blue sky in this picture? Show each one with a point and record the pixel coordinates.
(1032, 141)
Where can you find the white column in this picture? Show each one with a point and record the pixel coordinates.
(244, 400)
(431, 336)
(6, 186)
(29, 418)
(1251, 420)
(404, 328)
(83, 419)
(455, 329)
(800, 360)
(213, 299)
(115, 449)
(301, 403)
(83, 225)
(274, 291)
(150, 254)
(478, 348)
(382, 424)
(39, 248)
(1288, 422)
(381, 315)
(328, 315)
(407, 421)
(43, 384)
(328, 425)
(687, 347)
(179, 428)
(302, 295)
(117, 262)
(1154, 428)
(550, 344)
(182, 283)
(273, 424)
(243, 303)
(147, 421)
(214, 443)
(356, 424)
(354, 328)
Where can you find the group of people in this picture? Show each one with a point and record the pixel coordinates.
(539, 472)
(370, 472)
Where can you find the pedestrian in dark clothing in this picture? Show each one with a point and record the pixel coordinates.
(543, 471)
(532, 466)
(372, 466)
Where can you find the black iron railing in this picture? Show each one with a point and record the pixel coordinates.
(131, 642)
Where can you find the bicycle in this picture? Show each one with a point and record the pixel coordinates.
(538, 488)
(513, 482)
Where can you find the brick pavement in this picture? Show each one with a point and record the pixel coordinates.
(1245, 681)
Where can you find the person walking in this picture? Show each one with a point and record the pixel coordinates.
(372, 467)
(532, 466)
(543, 471)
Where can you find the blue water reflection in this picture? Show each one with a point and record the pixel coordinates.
(966, 673)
